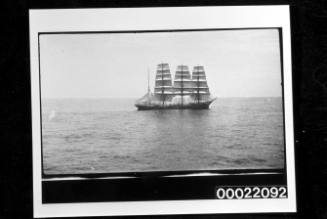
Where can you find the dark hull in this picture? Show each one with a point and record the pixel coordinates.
(193, 106)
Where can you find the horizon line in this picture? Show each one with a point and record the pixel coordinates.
(140, 97)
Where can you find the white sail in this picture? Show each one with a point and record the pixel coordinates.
(163, 83)
(187, 92)
(200, 86)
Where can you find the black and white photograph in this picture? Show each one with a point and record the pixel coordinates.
(167, 101)
(158, 105)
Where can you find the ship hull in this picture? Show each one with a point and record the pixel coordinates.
(193, 106)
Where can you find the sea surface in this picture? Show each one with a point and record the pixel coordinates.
(110, 135)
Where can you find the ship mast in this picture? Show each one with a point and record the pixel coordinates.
(182, 86)
(163, 85)
(201, 88)
(182, 83)
(162, 88)
(198, 87)
(148, 81)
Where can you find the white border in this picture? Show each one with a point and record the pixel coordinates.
(158, 19)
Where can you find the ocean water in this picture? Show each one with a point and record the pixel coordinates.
(110, 135)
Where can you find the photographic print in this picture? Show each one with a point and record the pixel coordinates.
(161, 101)
(134, 113)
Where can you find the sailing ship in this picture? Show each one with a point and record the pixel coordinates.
(187, 92)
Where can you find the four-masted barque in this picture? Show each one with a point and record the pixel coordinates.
(187, 92)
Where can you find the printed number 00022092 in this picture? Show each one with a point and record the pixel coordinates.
(251, 192)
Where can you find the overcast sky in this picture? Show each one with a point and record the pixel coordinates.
(238, 63)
